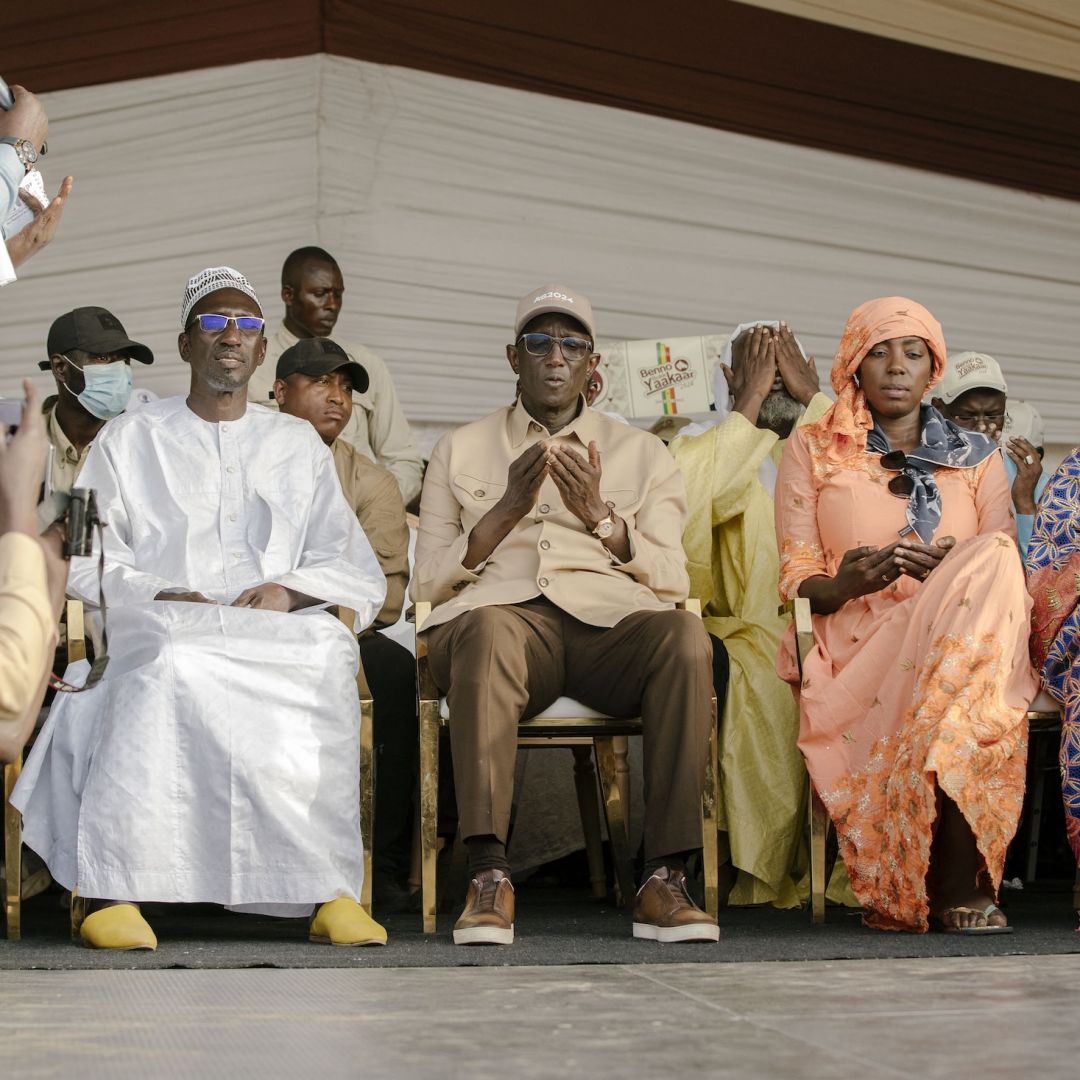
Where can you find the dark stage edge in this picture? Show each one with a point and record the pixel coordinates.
(553, 927)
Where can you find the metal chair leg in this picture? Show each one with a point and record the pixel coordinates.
(618, 825)
(710, 801)
(77, 914)
(585, 783)
(367, 796)
(429, 809)
(12, 855)
(819, 832)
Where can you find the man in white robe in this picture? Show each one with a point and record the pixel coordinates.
(217, 761)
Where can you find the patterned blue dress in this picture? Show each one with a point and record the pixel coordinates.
(1053, 565)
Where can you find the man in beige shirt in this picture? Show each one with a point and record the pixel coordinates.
(550, 547)
(316, 380)
(312, 288)
(89, 354)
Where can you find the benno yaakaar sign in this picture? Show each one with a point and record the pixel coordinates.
(669, 377)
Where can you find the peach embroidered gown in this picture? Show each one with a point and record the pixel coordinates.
(920, 682)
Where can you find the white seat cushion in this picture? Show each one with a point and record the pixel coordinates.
(561, 709)
(1044, 703)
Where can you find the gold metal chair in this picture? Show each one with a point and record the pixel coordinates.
(367, 768)
(1044, 716)
(819, 816)
(567, 723)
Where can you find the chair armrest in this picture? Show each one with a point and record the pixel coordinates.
(804, 630)
(75, 631)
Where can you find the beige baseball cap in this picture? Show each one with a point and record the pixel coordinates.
(970, 371)
(558, 298)
(1022, 421)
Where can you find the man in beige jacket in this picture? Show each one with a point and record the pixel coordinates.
(550, 548)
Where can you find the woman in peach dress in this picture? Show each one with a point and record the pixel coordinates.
(897, 525)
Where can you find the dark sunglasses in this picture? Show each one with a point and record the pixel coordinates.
(214, 324)
(901, 486)
(573, 348)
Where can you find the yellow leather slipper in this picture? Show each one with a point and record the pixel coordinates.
(119, 926)
(345, 922)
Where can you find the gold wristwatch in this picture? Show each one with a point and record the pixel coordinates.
(26, 150)
(604, 527)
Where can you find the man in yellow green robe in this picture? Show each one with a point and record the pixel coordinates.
(730, 471)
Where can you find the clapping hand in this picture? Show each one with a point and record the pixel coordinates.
(526, 474)
(578, 482)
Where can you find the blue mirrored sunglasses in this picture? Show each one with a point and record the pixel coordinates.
(214, 324)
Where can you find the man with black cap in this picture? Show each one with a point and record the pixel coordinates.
(315, 381)
(550, 548)
(90, 356)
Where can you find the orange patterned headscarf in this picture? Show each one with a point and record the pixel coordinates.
(842, 431)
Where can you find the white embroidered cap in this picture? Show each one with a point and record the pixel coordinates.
(210, 280)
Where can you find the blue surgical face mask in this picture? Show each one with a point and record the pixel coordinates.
(107, 390)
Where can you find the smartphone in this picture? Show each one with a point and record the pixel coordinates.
(11, 410)
(7, 99)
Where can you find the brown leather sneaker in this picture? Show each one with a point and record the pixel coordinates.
(488, 918)
(663, 911)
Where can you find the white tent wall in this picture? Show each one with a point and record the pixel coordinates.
(444, 200)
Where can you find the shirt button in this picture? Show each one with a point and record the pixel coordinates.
(543, 583)
(479, 493)
(544, 508)
(610, 505)
(230, 468)
(545, 544)
(232, 517)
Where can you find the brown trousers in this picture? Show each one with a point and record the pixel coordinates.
(504, 663)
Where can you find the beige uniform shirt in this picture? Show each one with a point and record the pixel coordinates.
(550, 552)
(372, 493)
(27, 629)
(67, 462)
(378, 427)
